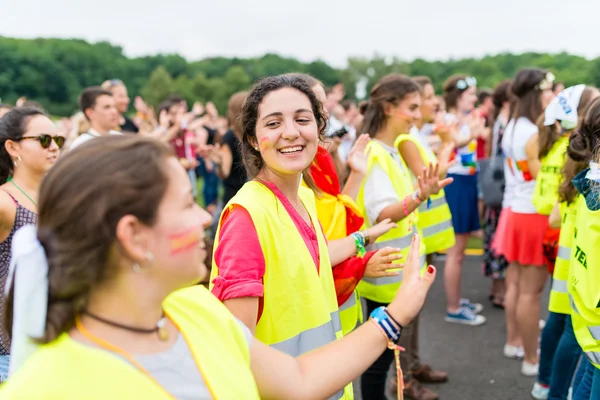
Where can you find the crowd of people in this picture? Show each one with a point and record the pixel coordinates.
(118, 285)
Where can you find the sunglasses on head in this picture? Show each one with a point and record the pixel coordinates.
(46, 140)
(465, 83)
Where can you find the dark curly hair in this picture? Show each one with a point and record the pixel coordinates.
(252, 158)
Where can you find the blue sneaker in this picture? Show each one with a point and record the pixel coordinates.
(475, 307)
(465, 316)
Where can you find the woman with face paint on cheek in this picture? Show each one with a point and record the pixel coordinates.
(108, 284)
(272, 266)
(388, 192)
(339, 216)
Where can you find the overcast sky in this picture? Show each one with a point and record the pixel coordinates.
(331, 30)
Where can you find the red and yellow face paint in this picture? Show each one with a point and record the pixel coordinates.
(185, 240)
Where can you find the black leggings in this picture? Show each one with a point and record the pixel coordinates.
(372, 382)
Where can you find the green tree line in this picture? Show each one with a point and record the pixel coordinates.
(54, 71)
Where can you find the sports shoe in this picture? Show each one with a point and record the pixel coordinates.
(475, 307)
(513, 351)
(528, 369)
(540, 392)
(465, 316)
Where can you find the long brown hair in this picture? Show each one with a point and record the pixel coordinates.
(583, 143)
(548, 135)
(528, 95)
(390, 89)
(82, 199)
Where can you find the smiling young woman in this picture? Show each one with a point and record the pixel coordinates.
(116, 303)
(29, 146)
(272, 264)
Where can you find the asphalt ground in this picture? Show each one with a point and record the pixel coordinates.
(472, 356)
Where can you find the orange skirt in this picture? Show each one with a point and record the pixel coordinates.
(520, 238)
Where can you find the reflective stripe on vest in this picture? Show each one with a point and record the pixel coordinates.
(351, 302)
(559, 286)
(573, 306)
(387, 280)
(564, 253)
(594, 357)
(437, 228)
(440, 201)
(311, 339)
(399, 243)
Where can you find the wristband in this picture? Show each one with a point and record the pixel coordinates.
(359, 241)
(404, 207)
(382, 318)
(415, 197)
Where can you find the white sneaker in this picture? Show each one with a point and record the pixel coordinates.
(528, 369)
(539, 392)
(513, 351)
(542, 324)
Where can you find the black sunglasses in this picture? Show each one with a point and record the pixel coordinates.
(45, 140)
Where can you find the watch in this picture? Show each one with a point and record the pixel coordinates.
(415, 196)
(367, 237)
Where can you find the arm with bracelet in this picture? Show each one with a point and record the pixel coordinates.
(428, 184)
(322, 372)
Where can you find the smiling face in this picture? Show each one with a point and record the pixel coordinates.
(402, 117)
(287, 133)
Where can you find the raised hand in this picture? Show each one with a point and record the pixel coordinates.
(380, 229)
(357, 158)
(380, 264)
(412, 293)
(430, 183)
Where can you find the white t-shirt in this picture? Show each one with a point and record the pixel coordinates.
(379, 190)
(509, 179)
(514, 141)
(91, 134)
(466, 156)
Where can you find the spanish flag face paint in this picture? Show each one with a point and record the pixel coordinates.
(185, 240)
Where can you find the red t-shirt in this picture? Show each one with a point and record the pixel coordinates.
(241, 272)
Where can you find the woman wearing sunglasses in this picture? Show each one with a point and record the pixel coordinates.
(29, 146)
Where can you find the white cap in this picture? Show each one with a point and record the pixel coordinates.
(564, 107)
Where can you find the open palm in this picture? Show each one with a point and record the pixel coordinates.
(357, 158)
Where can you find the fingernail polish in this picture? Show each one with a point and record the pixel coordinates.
(430, 269)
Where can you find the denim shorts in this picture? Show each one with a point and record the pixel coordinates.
(4, 361)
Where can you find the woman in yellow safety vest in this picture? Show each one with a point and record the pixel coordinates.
(583, 283)
(108, 283)
(272, 264)
(388, 192)
(339, 216)
(559, 350)
(435, 220)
